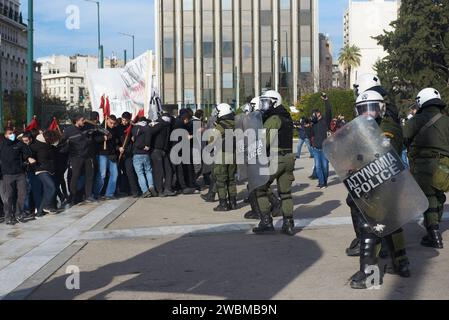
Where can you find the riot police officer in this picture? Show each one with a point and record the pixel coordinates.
(427, 136)
(372, 103)
(390, 126)
(225, 171)
(276, 117)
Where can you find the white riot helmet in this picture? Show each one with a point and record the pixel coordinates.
(247, 108)
(370, 103)
(223, 109)
(255, 103)
(271, 99)
(428, 97)
(367, 82)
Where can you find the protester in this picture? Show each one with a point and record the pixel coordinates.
(141, 158)
(321, 126)
(78, 140)
(12, 159)
(44, 152)
(127, 181)
(108, 146)
(159, 136)
(303, 138)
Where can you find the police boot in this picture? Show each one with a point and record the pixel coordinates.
(223, 206)
(433, 238)
(402, 268)
(368, 261)
(288, 227)
(233, 203)
(265, 226)
(210, 196)
(354, 248)
(254, 213)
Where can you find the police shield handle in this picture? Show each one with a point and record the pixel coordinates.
(377, 180)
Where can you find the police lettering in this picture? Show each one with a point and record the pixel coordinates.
(374, 175)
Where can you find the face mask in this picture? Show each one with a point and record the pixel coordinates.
(12, 137)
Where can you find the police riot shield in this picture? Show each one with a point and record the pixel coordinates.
(382, 187)
(242, 173)
(207, 168)
(256, 159)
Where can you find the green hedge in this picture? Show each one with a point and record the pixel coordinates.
(342, 102)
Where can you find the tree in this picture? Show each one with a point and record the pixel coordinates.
(342, 102)
(418, 50)
(349, 58)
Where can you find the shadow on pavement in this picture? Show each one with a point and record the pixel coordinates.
(420, 260)
(232, 266)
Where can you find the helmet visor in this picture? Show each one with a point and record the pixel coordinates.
(373, 109)
(266, 103)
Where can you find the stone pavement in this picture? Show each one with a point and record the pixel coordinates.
(178, 248)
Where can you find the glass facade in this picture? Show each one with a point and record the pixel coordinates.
(168, 51)
(247, 57)
(278, 44)
(208, 48)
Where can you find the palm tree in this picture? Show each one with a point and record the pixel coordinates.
(349, 58)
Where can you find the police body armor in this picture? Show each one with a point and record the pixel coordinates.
(207, 168)
(379, 183)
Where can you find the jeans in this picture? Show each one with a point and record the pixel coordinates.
(34, 190)
(142, 165)
(321, 166)
(104, 165)
(300, 145)
(49, 191)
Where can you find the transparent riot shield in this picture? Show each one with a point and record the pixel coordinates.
(381, 186)
(207, 168)
(257, 164)
(242, 173)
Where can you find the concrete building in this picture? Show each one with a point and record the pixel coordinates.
(207, 49)
(362, 21)
(326, 62)
(64, 77)
(14, 47)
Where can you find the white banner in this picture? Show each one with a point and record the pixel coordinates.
(128, 89)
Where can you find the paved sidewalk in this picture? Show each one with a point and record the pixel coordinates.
(178, 248)
(26, 248)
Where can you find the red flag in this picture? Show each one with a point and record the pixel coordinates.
(102, 102)
(54, 126)
(33, 125)
(128, 130)
(107, 109)
(139, 115)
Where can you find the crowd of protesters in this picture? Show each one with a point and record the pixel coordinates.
(48, 171)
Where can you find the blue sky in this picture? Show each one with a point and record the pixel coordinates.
(130, 16)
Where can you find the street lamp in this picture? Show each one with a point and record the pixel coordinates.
(131, 36)
(100, 53)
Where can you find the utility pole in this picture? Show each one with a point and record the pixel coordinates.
(1, 90)
(30, 68)
(100, 47)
